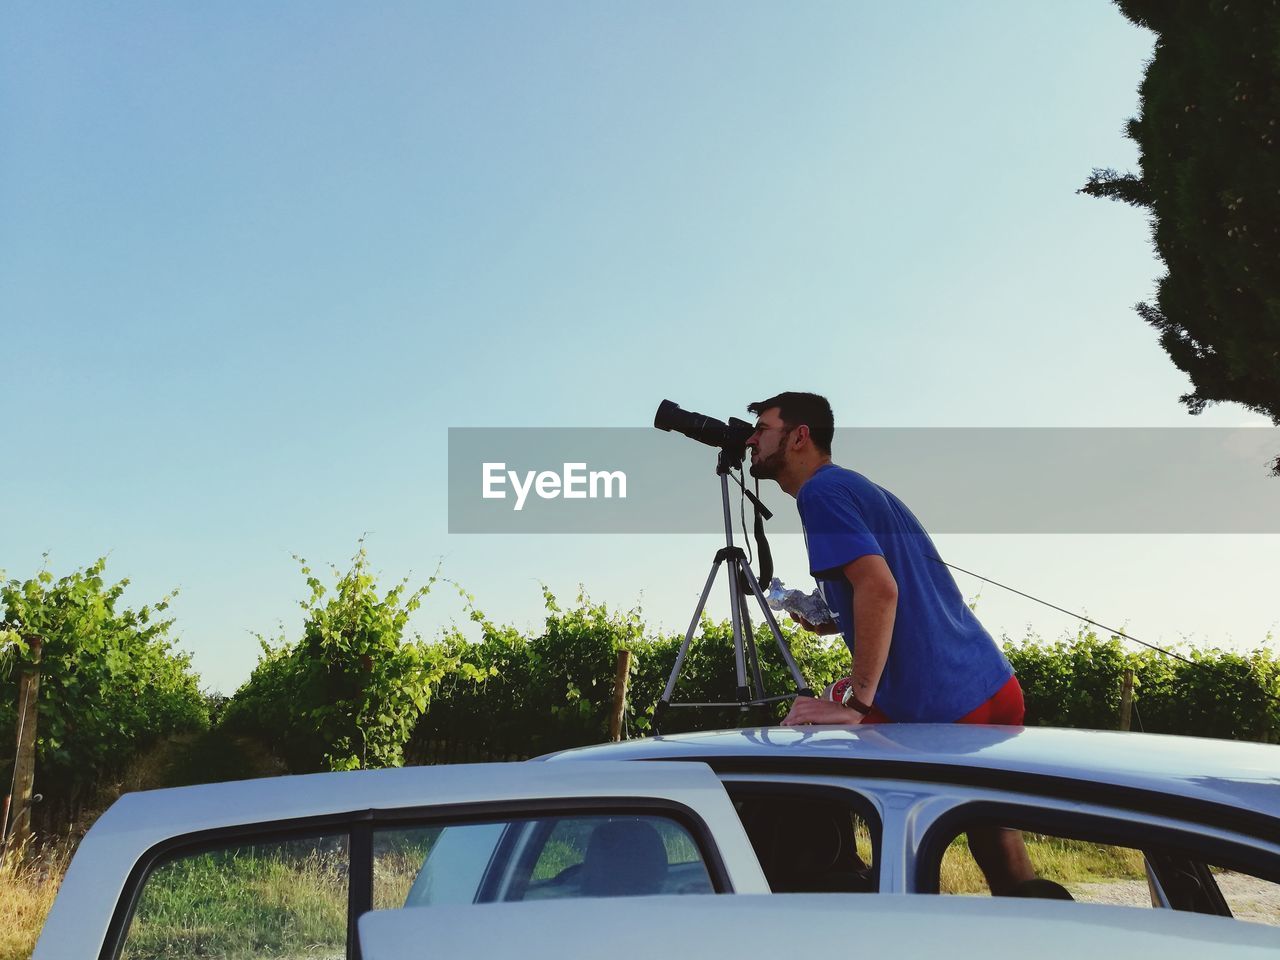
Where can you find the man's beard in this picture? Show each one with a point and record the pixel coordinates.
(767, 468)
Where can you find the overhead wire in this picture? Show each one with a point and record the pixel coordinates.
(1070, 613)
(1080, 616)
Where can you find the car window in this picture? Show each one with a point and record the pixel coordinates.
(810, 840)
(1075, 863)
(282, 899)
(563, 864)
(1067, 868)
(398, 856)
(579, 855)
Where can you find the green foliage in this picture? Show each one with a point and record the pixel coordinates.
(211, 756)
(1074, 684)
(110, 682)
(514, 695)
(356, 689)
(1211, 179)
(1218, 694)
(347, 694)
(1221, 694)
(517, 696)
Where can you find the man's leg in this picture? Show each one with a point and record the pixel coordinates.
(999, 851)
(1002, 855)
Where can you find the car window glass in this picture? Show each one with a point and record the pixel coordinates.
(585, 855)
(577, 855)
(398, 856)
(564, 850)
(1066, 868)
(809, 842)
(1070, 867)
(286, 898)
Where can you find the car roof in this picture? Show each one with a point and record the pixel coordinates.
(773, 925)
(1245, 776)
(150, 816)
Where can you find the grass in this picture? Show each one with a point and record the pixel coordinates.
(398, 855)
(393, 876)
(287, 900)
(1054, 858)
(29, 878)
(290, 899)
(862, 841)
(29, 881)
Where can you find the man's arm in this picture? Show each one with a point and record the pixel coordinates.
(823, 629)
(875, 606)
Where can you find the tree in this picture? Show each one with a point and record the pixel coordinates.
(347, 694)
(1206, 134)
(110, 682)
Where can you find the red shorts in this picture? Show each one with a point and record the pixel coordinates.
(1004, 708)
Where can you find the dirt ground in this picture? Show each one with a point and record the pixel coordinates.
(1249, 899)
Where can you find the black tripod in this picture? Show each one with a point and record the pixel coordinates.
(741, 580)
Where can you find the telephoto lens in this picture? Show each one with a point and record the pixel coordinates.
(730, 436)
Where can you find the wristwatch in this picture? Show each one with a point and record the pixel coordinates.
(850, 699)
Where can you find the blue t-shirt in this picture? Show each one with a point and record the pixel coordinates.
(942, 663)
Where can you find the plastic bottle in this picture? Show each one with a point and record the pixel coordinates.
(809, 606)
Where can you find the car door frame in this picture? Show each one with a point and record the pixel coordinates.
(360, 826)
(910, 807)
(99, 894)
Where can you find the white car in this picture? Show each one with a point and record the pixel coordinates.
(625, 842)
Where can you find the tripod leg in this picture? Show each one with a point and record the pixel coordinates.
(736, 603)
(661, 708)
(749, 638)
(802, 685)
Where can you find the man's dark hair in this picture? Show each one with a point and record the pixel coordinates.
(802, 408)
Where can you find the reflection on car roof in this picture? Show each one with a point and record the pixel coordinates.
(1239, 774)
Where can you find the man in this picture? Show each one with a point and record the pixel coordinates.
(919, 653)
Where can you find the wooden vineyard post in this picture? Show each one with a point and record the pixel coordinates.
(1126, 699)
(16, 824)
(619, 694)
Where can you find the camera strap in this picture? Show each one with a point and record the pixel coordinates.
(762, 513)
(766, 558)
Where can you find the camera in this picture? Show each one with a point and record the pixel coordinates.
(730, 437)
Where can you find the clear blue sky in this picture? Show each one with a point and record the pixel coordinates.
(255, 260)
